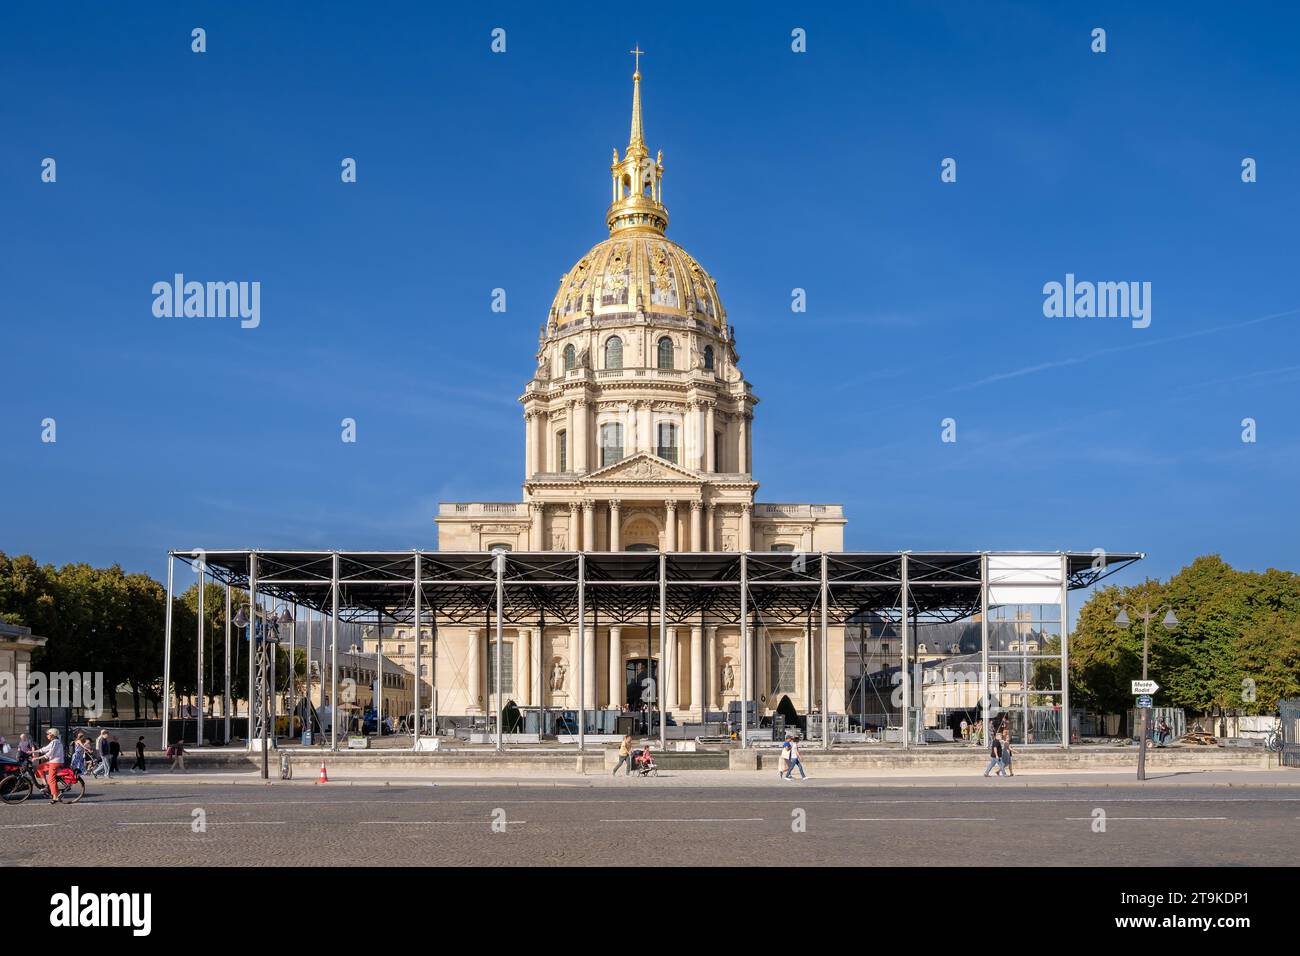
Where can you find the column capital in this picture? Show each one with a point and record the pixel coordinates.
(614, 504)
(671, 504)
(537, 507)
(747, 508)
(588, 504)
(696, 504)
(573, 507)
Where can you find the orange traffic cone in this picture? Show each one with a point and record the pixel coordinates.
(324, 777)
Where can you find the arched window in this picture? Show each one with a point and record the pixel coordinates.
(570, 357)
(708, 358)
(614, 352)
(611, 443)
(562, 451)
(667, 447)
(665, 352)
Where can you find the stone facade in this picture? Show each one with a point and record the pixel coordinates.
(637, 436)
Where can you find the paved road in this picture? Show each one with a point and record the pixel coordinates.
(453, 825)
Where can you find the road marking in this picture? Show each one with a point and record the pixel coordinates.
(24, 826)
(186, 823)
(692, 820)
(916, 819)
(1110, 817)
(434, 823)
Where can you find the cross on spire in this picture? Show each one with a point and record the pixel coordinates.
(637, 52)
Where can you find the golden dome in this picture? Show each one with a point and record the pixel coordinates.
(636, 269)
(627, 274)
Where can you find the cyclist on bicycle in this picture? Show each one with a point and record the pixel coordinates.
(53, 754)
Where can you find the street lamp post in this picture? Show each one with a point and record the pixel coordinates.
(1169, 622)
(264, 640)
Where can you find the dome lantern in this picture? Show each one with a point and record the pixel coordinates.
(636, 181)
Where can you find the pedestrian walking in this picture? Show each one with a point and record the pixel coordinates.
(102, 745)
(1006, 755)
(4, 747)
(177, 752)
(783, 758)
(794, 759)
(995, 756)
(624, 756)
(965, 730)
(114, 751)
(139, 766)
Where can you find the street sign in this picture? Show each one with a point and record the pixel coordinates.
(1144, 701)
(1145, 687)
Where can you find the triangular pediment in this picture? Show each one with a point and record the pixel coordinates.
(642, 467)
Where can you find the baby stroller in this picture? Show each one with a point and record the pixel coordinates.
(644, 763)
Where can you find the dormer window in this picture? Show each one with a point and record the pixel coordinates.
(570, 357)
(614, 352)
(708, 358)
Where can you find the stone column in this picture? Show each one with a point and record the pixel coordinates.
(696, 507)
(644, 439)
(538, 530)
(670, 666)
(742, 464)
(710, 536)
(616, 682)
(474, 671)
(696, 683)
(710, 456)
(615, 530)
(575, 528)
(523, 667)
(538, 688)
(670, 525)
(690, 444)
(589, 669)
(746, 526)
(588, 526)
(532, 439)
(715, 668)
(578, 438)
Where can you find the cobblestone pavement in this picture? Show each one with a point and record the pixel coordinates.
(678, 825)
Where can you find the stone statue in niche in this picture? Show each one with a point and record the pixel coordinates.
(728, 678)
(557, 675)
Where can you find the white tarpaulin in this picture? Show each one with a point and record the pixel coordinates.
(1025, 579)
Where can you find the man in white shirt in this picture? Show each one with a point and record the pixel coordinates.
(793, 746)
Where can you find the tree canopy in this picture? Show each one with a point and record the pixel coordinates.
(1236, 647)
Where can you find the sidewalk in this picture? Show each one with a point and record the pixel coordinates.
(344, 777)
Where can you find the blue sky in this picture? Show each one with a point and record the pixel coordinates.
(817, 170)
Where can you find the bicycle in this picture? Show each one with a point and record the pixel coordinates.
(1274, 741)
(17, 787)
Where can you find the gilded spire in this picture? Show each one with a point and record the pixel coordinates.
(637, 181)
(636, 140)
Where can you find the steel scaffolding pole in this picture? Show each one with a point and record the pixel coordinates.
(167, 660)
(582, 626)
(203, 588)
(252, 648)
(666, 667)
(1065, 651)
(419, 640)
(499, 559)
(905, 672)
(825, 662)
(225, 694)
(744, 650)
(985, 703)
(334, 651)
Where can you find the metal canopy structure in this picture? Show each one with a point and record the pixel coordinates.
(584, 589)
